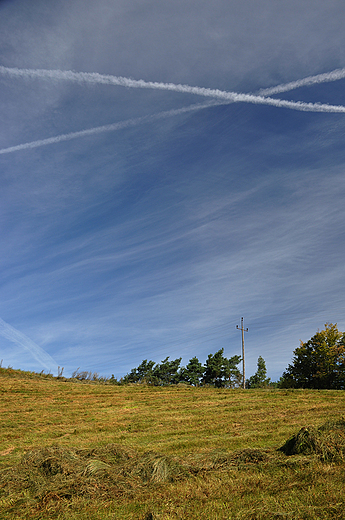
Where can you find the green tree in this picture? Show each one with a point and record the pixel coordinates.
(259, 379)
(318, 363)
(221, 371)
(167, 372)
(141, 374)
(193, 372)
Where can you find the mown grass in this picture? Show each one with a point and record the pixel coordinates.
(97, 451)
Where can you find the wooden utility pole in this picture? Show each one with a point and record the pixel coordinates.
(244, 371)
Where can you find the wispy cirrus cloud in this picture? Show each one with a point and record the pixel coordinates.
(155, 240)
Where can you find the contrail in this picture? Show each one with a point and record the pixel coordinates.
(107, 79)
(106, 128)
(9, 332)
(94, 77)
(310, 80)
(114, 126)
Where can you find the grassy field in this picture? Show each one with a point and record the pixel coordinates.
(73, 450)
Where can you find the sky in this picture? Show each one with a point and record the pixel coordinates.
(166, 168)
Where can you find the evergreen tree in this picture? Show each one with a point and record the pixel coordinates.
(220, 371)
(167, 372)
(193, 372)
(259, 379)
(142, 374)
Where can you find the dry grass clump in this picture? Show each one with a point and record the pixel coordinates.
(55, 473)
(52, 478)
(109, 453)
(327, 442)
(152, 467)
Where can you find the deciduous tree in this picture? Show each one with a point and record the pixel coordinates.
(319, 362)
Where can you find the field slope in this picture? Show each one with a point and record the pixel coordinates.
(73, 450)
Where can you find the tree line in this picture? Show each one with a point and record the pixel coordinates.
(318, 363)
(218, 371)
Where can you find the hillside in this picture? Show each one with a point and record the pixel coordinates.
(74, 450)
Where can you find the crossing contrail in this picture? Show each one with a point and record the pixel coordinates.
(94, 77)
(219, 98)
(17, 337)
(106, 128)
(335, 75)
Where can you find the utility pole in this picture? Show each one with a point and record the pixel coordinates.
(243, 331)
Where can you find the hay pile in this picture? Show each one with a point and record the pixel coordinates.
(57, 473)
(327, 442)
(62, 473)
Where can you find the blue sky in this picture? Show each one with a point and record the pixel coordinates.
(154, 236)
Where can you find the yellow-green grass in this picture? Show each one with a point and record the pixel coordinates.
(191, 426)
